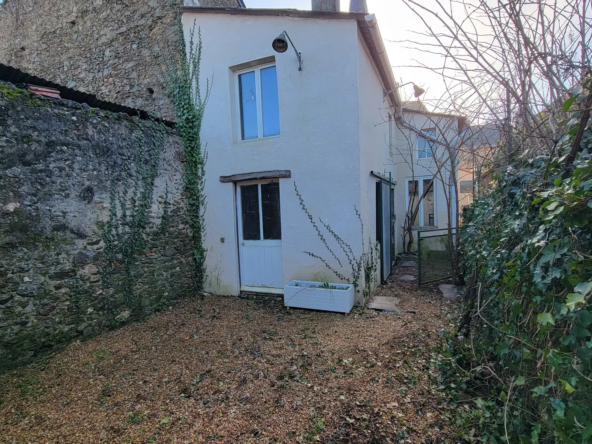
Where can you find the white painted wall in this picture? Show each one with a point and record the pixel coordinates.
(320, 136)
(374, 140)
(407, 165)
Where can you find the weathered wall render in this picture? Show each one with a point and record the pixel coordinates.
(65, 171)
(110, 48)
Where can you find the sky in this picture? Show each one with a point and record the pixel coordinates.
(397, 23)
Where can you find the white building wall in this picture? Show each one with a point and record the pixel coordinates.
(374, 141)
(407, 165)
(319, 141)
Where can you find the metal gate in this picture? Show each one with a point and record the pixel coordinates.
(434, 250)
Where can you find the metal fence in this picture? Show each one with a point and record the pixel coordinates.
(434, 255)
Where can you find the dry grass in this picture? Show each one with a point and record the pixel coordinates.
(229, 370)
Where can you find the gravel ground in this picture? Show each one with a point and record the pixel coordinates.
(230, 370)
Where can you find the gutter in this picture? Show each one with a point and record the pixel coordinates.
(388, 78)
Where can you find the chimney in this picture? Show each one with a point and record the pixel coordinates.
(358, 6)
(325, 5)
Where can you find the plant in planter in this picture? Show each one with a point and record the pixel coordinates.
(319, 296)
(365, 265)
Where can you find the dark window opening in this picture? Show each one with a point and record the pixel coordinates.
(270, 209)
(250, 212)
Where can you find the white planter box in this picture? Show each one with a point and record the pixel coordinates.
(313, 295)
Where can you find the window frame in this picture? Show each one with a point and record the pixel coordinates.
(429, 152)
(257, 70)
(420, 192)
(239, 209)
(472, 188)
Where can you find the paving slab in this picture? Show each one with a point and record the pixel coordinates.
(409, 264)
(449, 291)
(384, 303)
(407, 277)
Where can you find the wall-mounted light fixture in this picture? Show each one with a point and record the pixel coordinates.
(280, 44)
(417, 91)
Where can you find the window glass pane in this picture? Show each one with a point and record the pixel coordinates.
(466, 186)
(424, 147)
(248, 105)
(270, 203)
(428, 203)
(269, 102)
(413, 199)
(250, 212)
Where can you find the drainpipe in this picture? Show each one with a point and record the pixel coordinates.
(394, 97)
(391, 201)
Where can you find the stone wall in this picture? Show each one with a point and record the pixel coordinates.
(110, 48)
(66, 171)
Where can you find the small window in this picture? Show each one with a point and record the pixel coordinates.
(259, 114)
(466, 186)
(426, 212)
(424, 146)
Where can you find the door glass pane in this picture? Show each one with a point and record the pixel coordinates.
(413, 199)
(248, 105)
(270, 202)
(250, 212)
(428, 203)
(269, 102)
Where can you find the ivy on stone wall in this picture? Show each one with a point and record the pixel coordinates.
(181, 82)
(129, 212)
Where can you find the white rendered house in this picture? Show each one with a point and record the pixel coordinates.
(324, 125)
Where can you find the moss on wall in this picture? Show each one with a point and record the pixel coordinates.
(60, 165)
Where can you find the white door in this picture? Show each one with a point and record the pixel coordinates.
(260, 236)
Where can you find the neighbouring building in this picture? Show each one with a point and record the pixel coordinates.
(114, 50)
(478, 152)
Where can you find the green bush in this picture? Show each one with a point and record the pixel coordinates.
(521, 359)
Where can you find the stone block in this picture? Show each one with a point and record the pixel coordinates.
(325, 5)
(62, 271)
(82, 258)
(30, 290)
(6, 298)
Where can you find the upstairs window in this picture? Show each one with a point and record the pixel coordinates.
(466, 186)
(259, 111)
(425, 146)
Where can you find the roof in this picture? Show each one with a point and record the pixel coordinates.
(415, 105)
(20, 78)
(367, 25)
(482, 135)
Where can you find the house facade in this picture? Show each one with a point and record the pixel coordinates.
(302, 177)
(425, 157)
(477, 155)
(334, 130)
